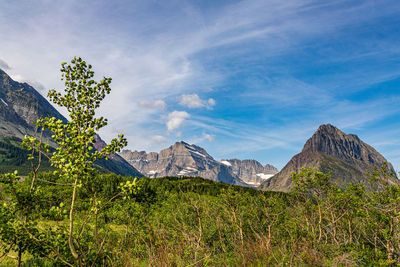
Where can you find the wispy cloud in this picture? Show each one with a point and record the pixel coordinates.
(153, 104)
(159, 139)
(200, 139)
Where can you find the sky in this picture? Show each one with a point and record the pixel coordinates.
(242, 79)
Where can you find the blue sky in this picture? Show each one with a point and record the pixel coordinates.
(243, 79)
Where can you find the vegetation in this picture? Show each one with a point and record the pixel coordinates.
(189, 221)
(75, 216)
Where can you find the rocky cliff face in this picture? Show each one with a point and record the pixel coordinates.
(21, 105)
(183, 159)
(250, 171)
(348, 147)
(330, 150)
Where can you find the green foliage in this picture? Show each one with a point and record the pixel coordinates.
(184, 221)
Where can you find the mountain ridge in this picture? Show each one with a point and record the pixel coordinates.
(184, 159)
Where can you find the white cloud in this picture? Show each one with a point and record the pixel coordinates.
(194, 101)
(153, 104)
(176, 119)
(191, 101)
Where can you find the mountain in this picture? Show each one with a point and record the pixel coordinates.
(250, 171)
(20, 106)
(345, 156)
(183, 159)
(180, 159)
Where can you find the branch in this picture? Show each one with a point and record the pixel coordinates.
(111, 199)
(5, 254)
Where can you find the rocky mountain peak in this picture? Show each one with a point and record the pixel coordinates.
(346, 156)
(183, 148)
(330, 140)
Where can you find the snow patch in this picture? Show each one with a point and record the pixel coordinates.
(187, 170)
(184, 172)
(198, 153)
(253, 183)
(139, 160)
(194, 150)
(264, 176)
(4, 102)
(152, 172)
(227, 163)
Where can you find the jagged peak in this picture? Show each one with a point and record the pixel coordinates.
(188, 146)
(185, 144)
(327, 133)
(330, 140)
(328, 128)
(181, 142)
(325, 137)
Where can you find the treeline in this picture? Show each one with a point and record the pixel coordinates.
(10, 152)
(191, 221)
(14, 157)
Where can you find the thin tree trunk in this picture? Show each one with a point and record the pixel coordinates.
(350, 231)
(269, 237)
(389, 246)
(71, 225)
(319, 222)
(19, 256)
